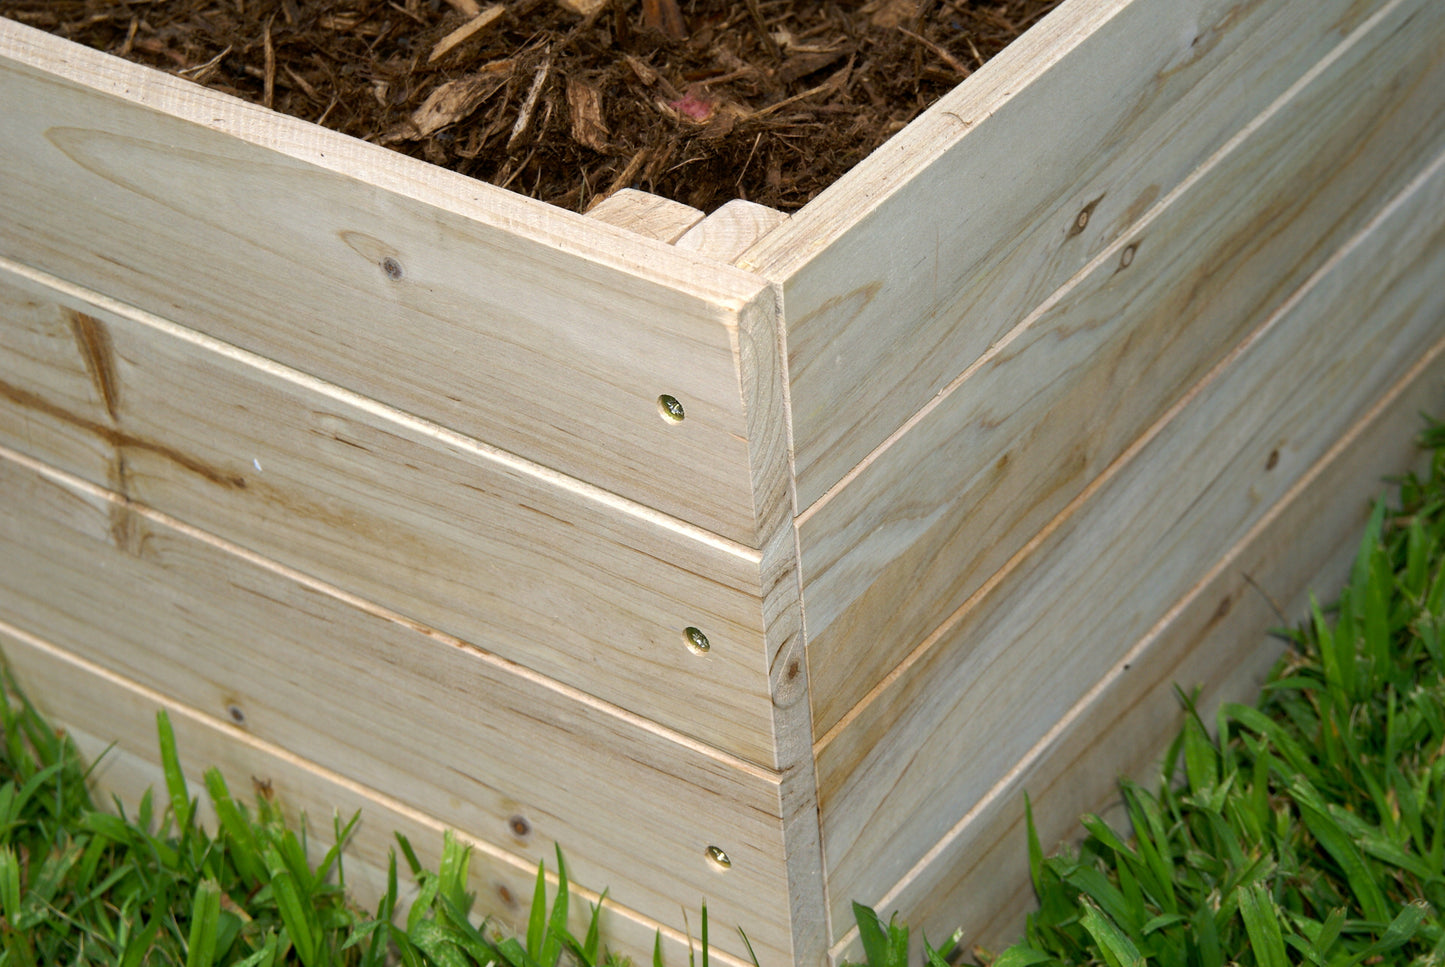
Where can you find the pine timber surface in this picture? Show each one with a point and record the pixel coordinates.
(646, 214)
(924, 523)
(947, 725)
(731, 230)
(444, 532)
(452, 733)
(977, 877)
(1005, 410)
(904, 272)
(112, 721)
(544, 333)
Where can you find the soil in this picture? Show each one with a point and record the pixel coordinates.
(702, 101)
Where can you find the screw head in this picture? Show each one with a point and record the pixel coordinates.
(697, 642)
(718, 859)
(670, 408)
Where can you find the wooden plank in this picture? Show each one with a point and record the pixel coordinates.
(112, 721)
(921, 527)
(1214, 639)
(983, 688)
(907, 269)
(731, 230)
(544, 333)
(646, 214)
(760, 351)
(468, 739)
(567, 582)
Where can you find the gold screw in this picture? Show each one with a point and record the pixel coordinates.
(719, 859)
(670, 408)
(697, 642)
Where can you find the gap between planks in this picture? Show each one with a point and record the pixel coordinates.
(71, 482)
(494, 854)
(1109, 254)
(503, 458)
(1402, 197)
(1132, 656)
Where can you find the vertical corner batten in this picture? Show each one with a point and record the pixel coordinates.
(762, 370)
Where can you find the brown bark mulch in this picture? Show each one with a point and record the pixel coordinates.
(702, 101)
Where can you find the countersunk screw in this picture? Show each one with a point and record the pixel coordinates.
(670, 408)
(718, 858)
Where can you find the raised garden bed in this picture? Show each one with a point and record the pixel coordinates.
(814, 539)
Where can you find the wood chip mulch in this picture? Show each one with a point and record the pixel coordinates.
(702, 101)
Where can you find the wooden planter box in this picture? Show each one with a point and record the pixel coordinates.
(368, 471)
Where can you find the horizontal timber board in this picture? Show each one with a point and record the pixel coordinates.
(450, 731)
(906, 270)
(387, 509)
(1214, 639)
(924, 523)
(113, 720)
(987, 684)
(542, 332)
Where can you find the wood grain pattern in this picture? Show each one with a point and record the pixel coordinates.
(731, 230)
(544, 333)
(906, 270)
(760, 353)
(646, 214)
(430, 525)
(112, 721)
(1215, 639)
(988, 683)
(924, 524)
(452, 732)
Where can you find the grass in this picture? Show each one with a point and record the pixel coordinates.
(79, 885)
(1309, 829)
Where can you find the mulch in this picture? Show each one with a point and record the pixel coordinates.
(567, 101)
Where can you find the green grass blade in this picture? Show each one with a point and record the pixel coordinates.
(176, 789)
(537, 917)
(454, 871)
(1261, 922)
(297, 917)
(879, 948)
(437, 945)
(1400, 931)
(1021, 955)
(704, 941)
(557, 933)
(1339, 845)
(592, 943)
(1118, 949)
(205, 919)
(10, 895)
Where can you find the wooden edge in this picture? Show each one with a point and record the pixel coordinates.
(646, 214)
(1214, 638)
(763, 373)
(539, 222)
(115, 716)
(891, 166)
(731, 230)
